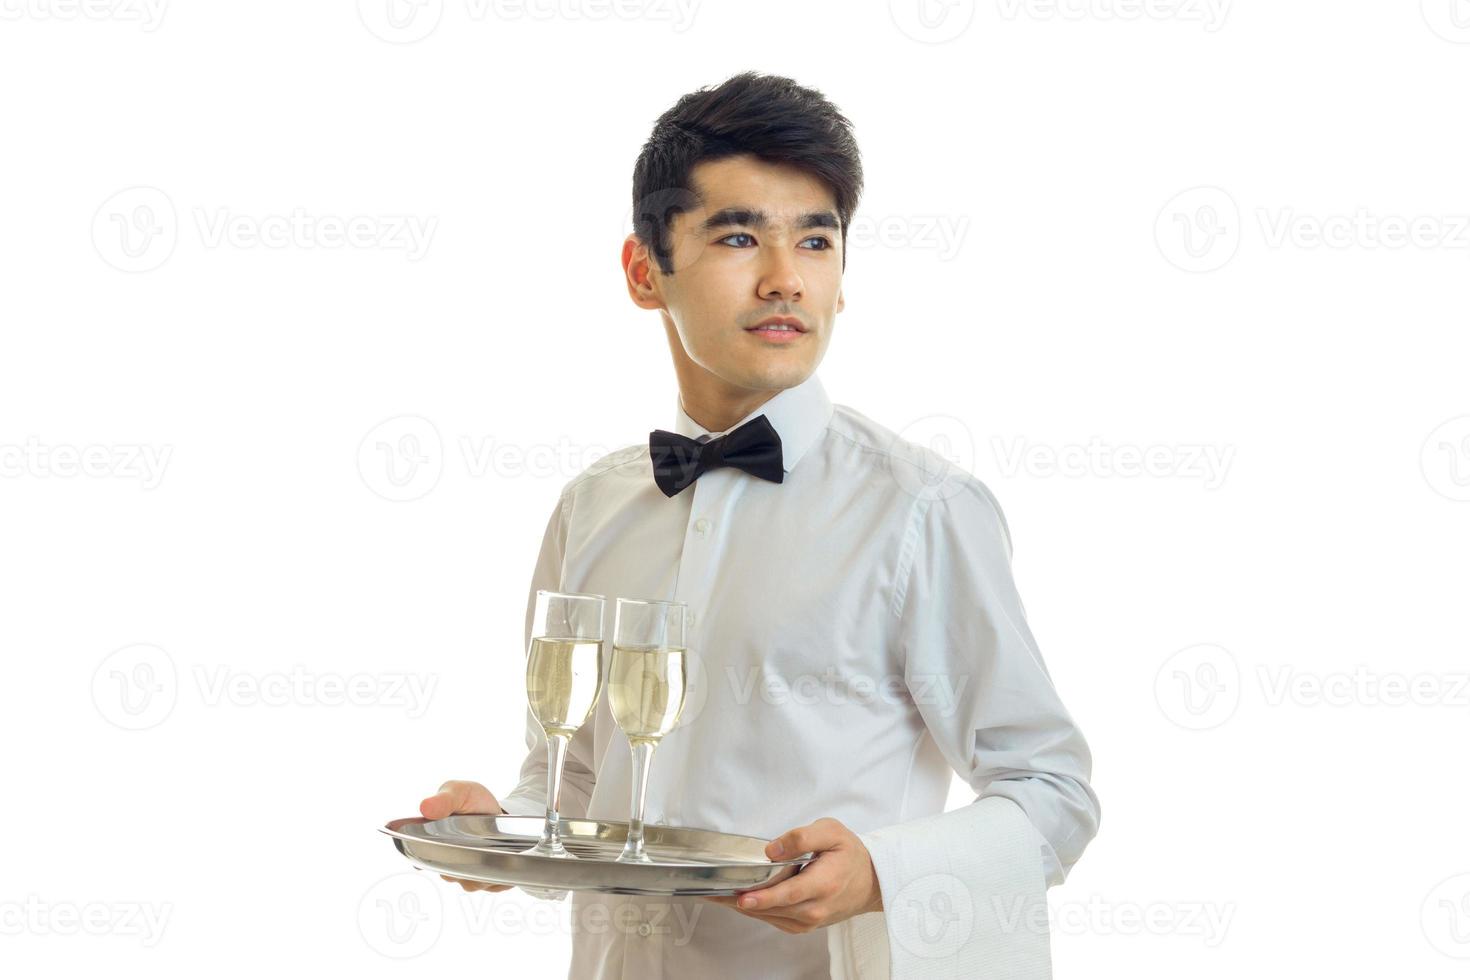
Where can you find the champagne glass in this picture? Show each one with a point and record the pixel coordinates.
(563, 683)
(645, 689)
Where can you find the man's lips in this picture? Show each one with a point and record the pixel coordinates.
(778, 328)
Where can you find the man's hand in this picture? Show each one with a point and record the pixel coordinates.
(462, 796)
(838, 883)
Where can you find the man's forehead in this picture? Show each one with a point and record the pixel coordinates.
(781, 191)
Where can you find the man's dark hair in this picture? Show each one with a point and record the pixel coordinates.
(767, 116)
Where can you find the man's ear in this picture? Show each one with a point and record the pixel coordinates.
(840, 301)
(640, 275)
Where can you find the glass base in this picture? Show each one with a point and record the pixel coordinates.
(630, 856)
(551, 849)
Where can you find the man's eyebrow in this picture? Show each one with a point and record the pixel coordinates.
(758, 219)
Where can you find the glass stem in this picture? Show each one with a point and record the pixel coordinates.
(642, 757)
(556, 746)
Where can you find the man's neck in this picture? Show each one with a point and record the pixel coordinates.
(717, 411)
(705, 397)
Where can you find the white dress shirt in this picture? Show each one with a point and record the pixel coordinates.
(856, 639)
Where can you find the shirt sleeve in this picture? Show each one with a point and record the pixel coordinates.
(1004, 730)
(529, 795)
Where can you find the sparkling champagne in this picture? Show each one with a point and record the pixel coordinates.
(563, 681)
(645, 689)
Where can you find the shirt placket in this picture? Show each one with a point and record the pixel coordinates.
(646, 950)
(698, 565)
(643, 952)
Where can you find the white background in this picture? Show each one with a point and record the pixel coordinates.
(1090, 230)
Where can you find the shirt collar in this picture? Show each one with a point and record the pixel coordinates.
(798, 414)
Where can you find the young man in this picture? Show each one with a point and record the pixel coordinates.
(856, 633)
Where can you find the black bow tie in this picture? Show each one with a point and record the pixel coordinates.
(754, 447)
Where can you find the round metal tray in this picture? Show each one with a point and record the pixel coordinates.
(485, 847)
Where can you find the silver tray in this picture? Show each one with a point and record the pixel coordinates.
(484, 847)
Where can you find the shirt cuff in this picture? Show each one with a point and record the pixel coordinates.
(524, 805)
(964, 895)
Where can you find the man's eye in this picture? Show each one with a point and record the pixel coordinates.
(826, 242)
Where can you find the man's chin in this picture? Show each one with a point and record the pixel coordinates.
(769, 376)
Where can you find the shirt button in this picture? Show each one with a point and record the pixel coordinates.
(644, 929)
(701, 527)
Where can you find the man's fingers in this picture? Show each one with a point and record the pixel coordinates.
(788, 892)
(462, 796)
(817, 836)
(475, 886)
(448, 800)
(811, 882)
(799, 918)
(459, 796)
